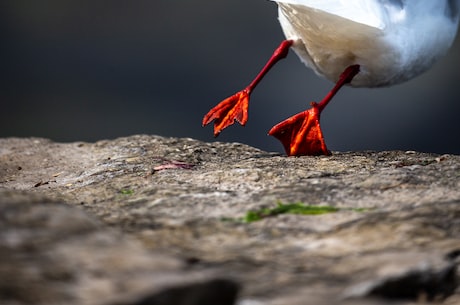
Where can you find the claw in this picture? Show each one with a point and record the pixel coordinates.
(233, 108)
(301, 134)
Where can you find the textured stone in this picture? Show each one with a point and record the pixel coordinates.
(142, 219)
(53, 253)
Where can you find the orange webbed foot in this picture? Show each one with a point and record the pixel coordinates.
(301, 134)
(233, 108)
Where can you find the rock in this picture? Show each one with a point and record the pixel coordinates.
(153, 220)
(409, 276)
(54, 253)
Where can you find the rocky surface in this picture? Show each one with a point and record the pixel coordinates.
(152, 220)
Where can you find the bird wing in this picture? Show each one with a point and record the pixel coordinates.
(369, 12)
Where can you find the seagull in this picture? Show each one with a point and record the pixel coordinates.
(360, 43)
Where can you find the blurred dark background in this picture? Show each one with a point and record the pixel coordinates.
(91, 70)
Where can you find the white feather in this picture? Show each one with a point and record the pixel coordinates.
(361, 11)
(391, 40)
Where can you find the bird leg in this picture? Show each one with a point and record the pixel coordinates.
(235, 107)
(301, 134)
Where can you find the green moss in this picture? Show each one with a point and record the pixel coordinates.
(298, 208)
(126, 192)
(290, 208)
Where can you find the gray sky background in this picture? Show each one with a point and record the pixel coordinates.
(91, 70)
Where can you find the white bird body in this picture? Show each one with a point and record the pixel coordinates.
(391, 40)
(363, 43)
